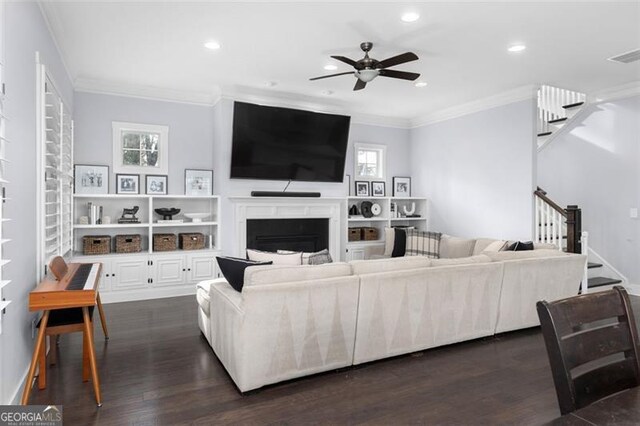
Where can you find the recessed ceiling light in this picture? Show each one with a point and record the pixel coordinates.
(213, 45)
(330, 67)
(517, 48)
(410, 17)
(421, 84)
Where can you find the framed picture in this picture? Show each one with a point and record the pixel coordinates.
(91, 179)
(156, 184)
(198, 182)
(348, 181)
(378, 189)
(401, 186)
(127, 184)
(362, 188)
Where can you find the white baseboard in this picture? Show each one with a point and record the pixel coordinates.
(633, 289)
(146, 294)
(17, 394)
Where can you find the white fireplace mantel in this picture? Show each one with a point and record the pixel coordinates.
(289, 208)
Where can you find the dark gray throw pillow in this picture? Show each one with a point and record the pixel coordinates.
(399, 242)
(520, 246)
(233, 270)
(320, 257)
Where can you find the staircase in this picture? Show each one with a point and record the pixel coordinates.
(556, 108)
(563, 227)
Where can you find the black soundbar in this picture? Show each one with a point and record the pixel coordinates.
(284, 194)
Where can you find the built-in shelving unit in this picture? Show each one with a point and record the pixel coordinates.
(3, 182)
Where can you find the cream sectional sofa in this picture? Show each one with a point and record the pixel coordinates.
(292, 321)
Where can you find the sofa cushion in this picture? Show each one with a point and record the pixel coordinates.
(529, 254)
(293, 258)
(454, 247)
(202, 295)
(481, 258)
(320, 258)
(542, 246)
(482, 243)
(274, 274)
(496, 246)
(389, 264)
(520, 246)
(233, 270)
(422, 243)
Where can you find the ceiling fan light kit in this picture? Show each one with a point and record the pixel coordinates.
(366, 69)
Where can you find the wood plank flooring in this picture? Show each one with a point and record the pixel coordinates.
(158, 370)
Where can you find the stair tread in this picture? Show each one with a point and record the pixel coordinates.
(544, 134)
(592, 265)
(602, 281)
(557, 120)
(577, 104)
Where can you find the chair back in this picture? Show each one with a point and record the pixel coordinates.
(592, 343)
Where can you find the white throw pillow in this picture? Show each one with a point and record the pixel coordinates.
(294, 258)
(305, 255)
(389, 240)
(495, 246)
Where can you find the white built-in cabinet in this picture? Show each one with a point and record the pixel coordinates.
(3, 183)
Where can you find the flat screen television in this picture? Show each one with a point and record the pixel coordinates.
(288, 144)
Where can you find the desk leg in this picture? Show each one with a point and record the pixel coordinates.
(92, 355)
(103, 320)
(86, 370)
(42, 373)
(34, 359)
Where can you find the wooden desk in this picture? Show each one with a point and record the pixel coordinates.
(622, 408)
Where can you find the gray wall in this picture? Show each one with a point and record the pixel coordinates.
(596, 165)
(190, 132)
(478, 172)
(26, 33)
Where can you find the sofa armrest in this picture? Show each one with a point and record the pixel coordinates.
(223, 290)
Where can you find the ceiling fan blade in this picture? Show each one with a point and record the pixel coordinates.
(345, 60)
(397, 60)
(399, 74)
(359, 85)
(331, 75)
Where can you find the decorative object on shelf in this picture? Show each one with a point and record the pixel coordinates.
(167, 213)
(362, 188)
(365, 208)
(165, 242)
(90, 179)
(401, 186)
(128, 243)
(409, 212)
(127, 184)
(198, 182)
(378, 189)
(106, 220)
(393, 210)
(196, 217)
(355, 234)
(129, 215)
(96, 244)
(191, 241)
(95, 214)
(349, 188)
(353, 211)
(83, 220)
(376, 209)
(156, 184)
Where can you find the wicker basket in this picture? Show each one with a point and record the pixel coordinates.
(369, 234)
(128, 243)
(191, 241)
(355, 234)
(165, 242)
(96, 244)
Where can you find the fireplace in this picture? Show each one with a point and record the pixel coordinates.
(308, 235)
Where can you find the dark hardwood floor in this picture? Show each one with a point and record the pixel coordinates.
(157, 369)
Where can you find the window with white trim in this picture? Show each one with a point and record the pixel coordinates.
(140, 148)
(370, 161)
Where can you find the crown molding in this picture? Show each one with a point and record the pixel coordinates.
(504, 98)
(146, 92)
(616, 92)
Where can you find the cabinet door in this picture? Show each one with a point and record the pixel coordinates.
(129, 273)
(105, 276)
(201, 267)
(355, 254)
(168, 270)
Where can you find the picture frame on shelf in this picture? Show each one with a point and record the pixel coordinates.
(198, 182)
(127, 184)
(401, 186)
(156, 184)
(90, 179)
(349, 188)
(378, 189)
(362, 188)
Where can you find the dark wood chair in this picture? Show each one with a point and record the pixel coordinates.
(592, 343)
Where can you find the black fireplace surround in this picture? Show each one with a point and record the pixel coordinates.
(308, 235)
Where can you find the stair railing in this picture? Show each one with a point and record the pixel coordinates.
(553, 223)
(551, 101)
(584, 285)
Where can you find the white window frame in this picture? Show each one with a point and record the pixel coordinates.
(382, 152)
(163, 150)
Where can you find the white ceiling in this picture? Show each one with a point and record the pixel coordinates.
(156, 48)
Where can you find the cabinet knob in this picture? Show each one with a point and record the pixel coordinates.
(183, 270)
(188, 269)
(107, 275)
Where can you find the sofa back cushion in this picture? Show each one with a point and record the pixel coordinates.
(423, 243)
(481, 258)
(274, 274)
(454, 247)
(290, 258)
(529, 254)
(361, 267)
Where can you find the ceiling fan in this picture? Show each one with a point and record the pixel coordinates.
(366, 69)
